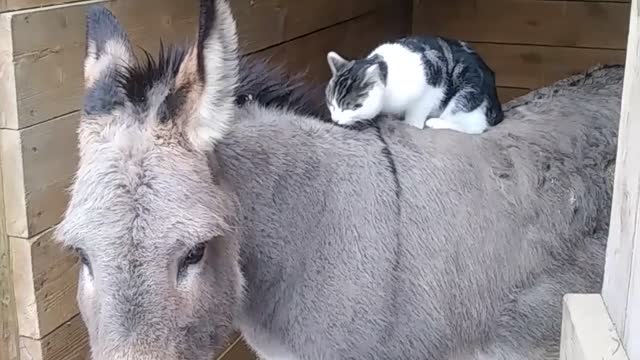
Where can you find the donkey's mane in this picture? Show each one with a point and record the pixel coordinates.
(140, 77)
(271, 86)
(261, 81)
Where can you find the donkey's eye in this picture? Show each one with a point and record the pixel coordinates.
(194, 255)
(84, 259)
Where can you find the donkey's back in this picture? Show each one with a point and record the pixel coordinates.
(519, 217)
(475, 241)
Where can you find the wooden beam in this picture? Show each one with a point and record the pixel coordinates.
(505, 94)
(67, 342)
(526, 22)
(531, 66)
(12, 5)
(353, 38)
(41, 160)
(8, 316)
(621, 288)
(48, 43)
(587, 330)
(45, 280)
(237, 350)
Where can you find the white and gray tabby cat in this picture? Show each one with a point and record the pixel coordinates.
(432, 81)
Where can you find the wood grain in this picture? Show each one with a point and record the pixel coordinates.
(42, 160)
(587, 331)
(8, 315)
(528, 66)
(12, 5)
(506, 94)
(68, 342)
(48, 44)
(71, 342)
(350, 39)
(621, 287)
(238, 350)
(590, 24)
(45, 281)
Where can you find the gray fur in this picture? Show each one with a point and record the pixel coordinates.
(318, 249)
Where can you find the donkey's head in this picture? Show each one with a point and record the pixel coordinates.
(147, 216)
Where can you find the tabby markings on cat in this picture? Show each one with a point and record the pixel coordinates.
(431, 81)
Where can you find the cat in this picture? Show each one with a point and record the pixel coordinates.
(433, 81)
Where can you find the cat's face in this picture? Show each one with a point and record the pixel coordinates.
(356, 89)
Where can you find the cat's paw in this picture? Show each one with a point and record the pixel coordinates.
(437, 123)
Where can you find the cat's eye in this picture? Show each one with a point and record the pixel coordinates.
(193, 257)
(357, 106)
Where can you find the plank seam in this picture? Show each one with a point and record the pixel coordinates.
(545, 45)
(367, 13)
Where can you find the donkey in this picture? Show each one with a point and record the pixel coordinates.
(211, 196)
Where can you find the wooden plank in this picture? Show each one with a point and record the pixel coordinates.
(45, 280)
(351, 39)
(8, 316)
(8, 96)
(42, 160)
(68, 342)
(506, 94)
(71, 342)
(532, 22)
(529, 66)
(48, 44)
(621, 287)
(238, 350)
(587, 331)
(12, 5)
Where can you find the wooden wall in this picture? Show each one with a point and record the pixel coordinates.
(531, 43)
(41, 54)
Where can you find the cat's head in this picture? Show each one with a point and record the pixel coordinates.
(356, 89)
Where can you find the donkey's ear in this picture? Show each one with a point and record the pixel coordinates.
(336, 62)
(107, 45)
(217, 71)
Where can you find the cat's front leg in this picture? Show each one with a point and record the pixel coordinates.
(454, 124)
(474, 122)
(417, 115)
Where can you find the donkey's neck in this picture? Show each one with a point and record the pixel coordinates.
(295, 179)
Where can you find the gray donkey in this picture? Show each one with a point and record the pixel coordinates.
(211, 197)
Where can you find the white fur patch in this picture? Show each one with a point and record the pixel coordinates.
(474, 122)
(406, 82)
(371, 107)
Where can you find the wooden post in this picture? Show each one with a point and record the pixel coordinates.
(607, 326)
(621, 288)
(8, 321)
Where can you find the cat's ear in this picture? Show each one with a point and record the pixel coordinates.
(373, 73)
(336, 62)
(107, 46)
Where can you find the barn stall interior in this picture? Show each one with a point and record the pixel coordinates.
(528, 43)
